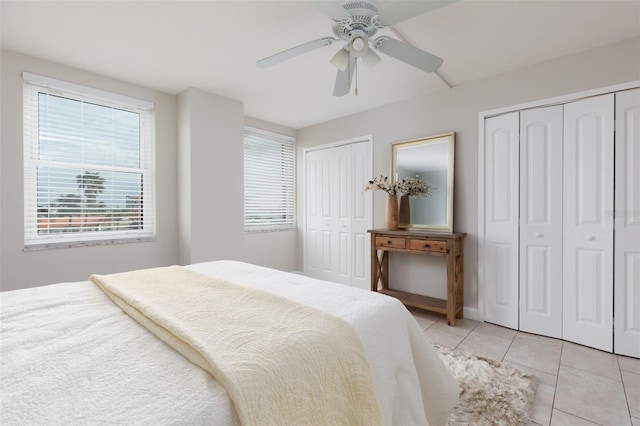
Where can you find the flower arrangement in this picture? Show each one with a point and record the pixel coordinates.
(381, 183)
(412, 187)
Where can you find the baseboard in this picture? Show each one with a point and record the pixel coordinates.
(471, 313)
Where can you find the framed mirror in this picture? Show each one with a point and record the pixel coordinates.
(430, 160)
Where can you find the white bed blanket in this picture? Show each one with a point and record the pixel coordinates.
(281, 362)
(68, 355)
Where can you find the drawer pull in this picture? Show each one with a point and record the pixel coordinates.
(426, 245)
(388, 242)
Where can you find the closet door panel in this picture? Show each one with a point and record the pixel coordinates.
(587, 228)
(313, 197)
(327, 208)
(627, 225)
(361, 160)
(541, 221)
(340, 222)
(338, 214)
(501, 219)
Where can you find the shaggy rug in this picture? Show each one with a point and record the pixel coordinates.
(491, 393)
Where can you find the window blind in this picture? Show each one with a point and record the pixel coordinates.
(268, 181)
(89, 172)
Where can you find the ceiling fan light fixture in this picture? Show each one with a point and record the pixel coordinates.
(340, 59)
(359, 46)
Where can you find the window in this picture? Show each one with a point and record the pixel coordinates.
(268, 181)
(88, 165)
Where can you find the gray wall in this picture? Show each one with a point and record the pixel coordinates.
(210, 177)
(457, 110)
(199, 182)
(31, 268)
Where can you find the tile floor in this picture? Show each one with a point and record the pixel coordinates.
(576, 385)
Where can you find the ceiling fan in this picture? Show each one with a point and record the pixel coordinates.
(356, 22)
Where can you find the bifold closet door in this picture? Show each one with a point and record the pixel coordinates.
(338, 214)
(361, 166)
(501, 219)
(329, 214)
(318, 213)
(587, 222)
(541, 221)
(627, 225)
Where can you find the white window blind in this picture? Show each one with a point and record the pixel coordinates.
(268, 181)
(89, 172)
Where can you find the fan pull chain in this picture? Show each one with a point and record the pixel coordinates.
(356, 70)
(349, 71)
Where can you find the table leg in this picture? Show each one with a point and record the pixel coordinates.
(451, 285)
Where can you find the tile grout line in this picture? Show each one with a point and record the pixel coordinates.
(624, 389)
(555, 387)
(513, 339)
(581, 418)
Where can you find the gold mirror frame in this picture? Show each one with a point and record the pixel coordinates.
(419, 150)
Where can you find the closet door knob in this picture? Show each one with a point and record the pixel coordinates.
(590, 237)
(537, 235)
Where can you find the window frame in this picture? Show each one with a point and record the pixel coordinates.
(288, 206)
(33, 86)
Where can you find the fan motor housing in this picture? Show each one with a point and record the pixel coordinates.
(361, 17)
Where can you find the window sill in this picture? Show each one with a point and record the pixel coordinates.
(76, 244)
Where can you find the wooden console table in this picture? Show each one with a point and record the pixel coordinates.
(448, 245)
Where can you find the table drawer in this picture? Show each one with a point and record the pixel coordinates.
(390, 242)
(428, 245)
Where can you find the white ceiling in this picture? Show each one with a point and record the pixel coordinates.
(213, 45)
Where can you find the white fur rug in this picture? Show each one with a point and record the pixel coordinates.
(491, 393)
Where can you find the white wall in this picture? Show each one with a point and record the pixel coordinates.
(26, 269)
(457, 110)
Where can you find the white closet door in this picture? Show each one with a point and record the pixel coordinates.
(362, 161)
(627, 225)
(541, 221)
(338, 214)
(317, 195)
(501, 219)
(588, 229)
(340, 196)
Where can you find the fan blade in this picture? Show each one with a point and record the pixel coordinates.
(403, 10)
(332, 9)
(408, 54)
(294, 51)
(343, 78)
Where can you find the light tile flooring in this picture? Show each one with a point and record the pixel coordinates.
(576, 385)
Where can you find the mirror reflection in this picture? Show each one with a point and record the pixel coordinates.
(431, 161)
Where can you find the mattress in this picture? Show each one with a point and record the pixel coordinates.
(69, 355)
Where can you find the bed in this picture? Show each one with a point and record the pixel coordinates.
(69, 355)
